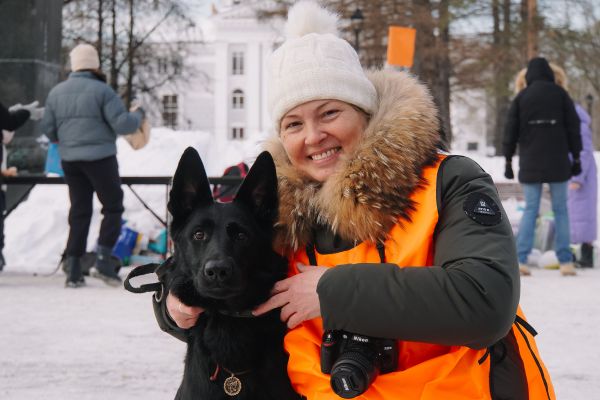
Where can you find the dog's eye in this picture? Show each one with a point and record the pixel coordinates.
(241, 236)
(200, 235)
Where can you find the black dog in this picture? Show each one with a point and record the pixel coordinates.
(224, 262)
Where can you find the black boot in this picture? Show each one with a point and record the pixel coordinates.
(104, 268)
(587, 256)
(74, 275)
(2, 261)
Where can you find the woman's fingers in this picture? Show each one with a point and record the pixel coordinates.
(183, 315)
(276, 301)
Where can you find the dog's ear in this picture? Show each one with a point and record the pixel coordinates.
(259, 188)
(190, 185)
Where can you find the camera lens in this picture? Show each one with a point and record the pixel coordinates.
(352, 375)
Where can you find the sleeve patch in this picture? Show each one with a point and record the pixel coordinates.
(482, 209)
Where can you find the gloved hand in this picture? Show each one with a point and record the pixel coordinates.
(15, 107)
(35, 112)
(508, 171)
(576, 167)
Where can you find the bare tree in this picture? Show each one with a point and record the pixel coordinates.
(132, 25)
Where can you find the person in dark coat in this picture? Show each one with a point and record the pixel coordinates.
(84, 116)
(10, 120)
(543, 122)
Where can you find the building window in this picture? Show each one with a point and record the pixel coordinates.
(237, 63)
(169, 114)
(472, 146)
(237, 99)
(237, 133)
(163, 65)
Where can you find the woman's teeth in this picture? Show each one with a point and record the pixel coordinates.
(317, 157)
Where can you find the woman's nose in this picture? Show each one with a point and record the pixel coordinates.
(314, 135)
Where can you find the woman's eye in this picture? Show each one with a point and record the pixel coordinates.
(330, 113)
(292, 125)
(200, 235)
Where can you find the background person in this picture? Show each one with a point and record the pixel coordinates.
(583, 188)
(403, 242)
(11, 119)
(543, 122)
(85, 115)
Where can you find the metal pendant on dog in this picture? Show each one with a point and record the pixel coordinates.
(232, 385)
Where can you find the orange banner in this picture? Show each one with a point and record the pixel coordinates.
(401, 46)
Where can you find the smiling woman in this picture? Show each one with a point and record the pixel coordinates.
(319, 135)
(401, 256)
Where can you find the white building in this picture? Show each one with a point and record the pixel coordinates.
(226, 91)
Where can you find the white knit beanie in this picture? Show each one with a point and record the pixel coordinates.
(315, 64)
(84, 56)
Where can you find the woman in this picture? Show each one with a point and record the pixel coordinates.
(386, 236)
(85, 115)
(543, 122)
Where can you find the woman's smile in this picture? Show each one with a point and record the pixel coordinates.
(326, 155)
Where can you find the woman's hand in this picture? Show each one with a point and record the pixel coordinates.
(184, 316)
(297, 296)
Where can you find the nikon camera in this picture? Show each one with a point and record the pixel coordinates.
(354, 361)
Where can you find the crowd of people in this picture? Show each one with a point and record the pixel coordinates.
(363, 172)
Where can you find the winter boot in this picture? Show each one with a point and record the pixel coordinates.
(2, 261)
(587, 256)
(74, 275)
(567, 269)
(104, 268)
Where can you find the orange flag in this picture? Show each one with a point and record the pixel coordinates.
(401, 46)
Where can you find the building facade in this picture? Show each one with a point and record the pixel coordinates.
(224, 90)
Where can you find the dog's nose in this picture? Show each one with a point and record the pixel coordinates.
(217, 271)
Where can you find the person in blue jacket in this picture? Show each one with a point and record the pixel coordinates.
(84, 116)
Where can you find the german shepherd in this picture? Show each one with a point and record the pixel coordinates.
(224, 262)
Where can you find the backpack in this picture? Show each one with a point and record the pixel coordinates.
(226, 192)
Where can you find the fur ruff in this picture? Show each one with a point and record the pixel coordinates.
(371, 192)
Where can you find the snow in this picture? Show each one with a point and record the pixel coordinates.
(99, 342)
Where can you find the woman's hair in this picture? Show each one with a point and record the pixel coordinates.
(560, 78)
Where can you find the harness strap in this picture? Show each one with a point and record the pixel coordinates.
(139, 271)
(310, 252)
(381, 249)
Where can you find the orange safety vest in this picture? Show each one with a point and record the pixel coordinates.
(426, 371)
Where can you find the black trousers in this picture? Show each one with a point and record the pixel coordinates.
(83, 179)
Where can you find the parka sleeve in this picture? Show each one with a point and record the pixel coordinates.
(165, 323)
(468, 297)
(11, 121)
(511, 130)
(573, 125)
(48, 126)
(116, 115)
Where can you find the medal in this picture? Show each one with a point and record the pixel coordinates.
(232, 385)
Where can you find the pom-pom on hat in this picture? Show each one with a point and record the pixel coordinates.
(84, 56)
(315, 64)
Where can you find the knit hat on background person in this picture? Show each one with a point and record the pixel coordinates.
(84, 56)
(315, 64)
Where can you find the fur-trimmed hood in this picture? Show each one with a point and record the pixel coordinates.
(371, 192)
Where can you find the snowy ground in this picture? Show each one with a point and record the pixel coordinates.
(99, 342)
(103, 343)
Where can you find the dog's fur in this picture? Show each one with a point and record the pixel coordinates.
(224, 262)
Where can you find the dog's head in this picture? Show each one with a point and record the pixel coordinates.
(223, 253)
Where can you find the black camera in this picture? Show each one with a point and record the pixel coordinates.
(354, 361)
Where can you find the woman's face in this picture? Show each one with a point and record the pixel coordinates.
(320, 134)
